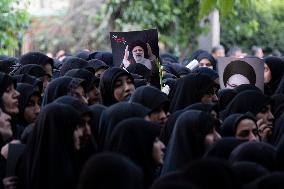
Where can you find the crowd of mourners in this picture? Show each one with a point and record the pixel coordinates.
(77, 121)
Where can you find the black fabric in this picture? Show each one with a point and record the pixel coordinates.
(59, 87)
(246, 101)
(189, 90)
(115, 114)
(104, 56)
(211, 173)
(25, 78)
(140, 69)
(278, 130)
(32, 69)
(223, 148)
(176, 69)
(246, 87)
(280, 88)
(97, 64)
(72, 63)
(150, 97)
(107, 82)
(176, 180)
(276, 66)
(207, 71)
(134, 138)
(36, 58)
(49, 155)
(187, 139)
(209, 57)
(278, 106)
(257, 152)
(230, 124)
(97, 110)
(225, 96)
(26, 92)
(247, 172)
(8, 64)
(110, 171)
(169, 127)
(85, 55)
(273, 180)
(280, 155)
(169, 58)
(90, 80)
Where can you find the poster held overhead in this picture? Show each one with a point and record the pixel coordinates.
(137, 47)
(234, 72)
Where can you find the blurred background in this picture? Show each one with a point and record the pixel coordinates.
(183, 25)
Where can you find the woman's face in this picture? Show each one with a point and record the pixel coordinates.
(247, 130)
(267, 74)
(123, 88)
(82, 133)
(10, 100)
(159, 116)
(5, 125)
(94, 96)
(79, 93)
(158, 151)
(205, 63)
(32, 109)
(236, 80)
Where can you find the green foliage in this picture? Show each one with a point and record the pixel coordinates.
(259, 24)
(12, 23)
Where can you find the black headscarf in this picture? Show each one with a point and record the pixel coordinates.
(85, 55)
(246, 87)
(257, 152)
(187, 139)
(280, 155)
(5, 82)
(36, 58)
(139, 69)
(50, 150)
(28, 79)
(247, 172)
(169, 58)
(104, 56)
(246, 101)
(276, 66)
(211, 173)
(189, 90)
(59, 87)
(110, 171)
(280, 89)
(176, 69)
(8, 64)
(273, 180)
(223, 148)
(225, 96)
(207, 71)
(89, 79)
(150, 97)
(134, 138)
(97, 110)
(169, 127)
(115, 114)
(278, 106)
(26, 92)
(209, 57)
(33, 70)
(72, 63)
(278, 130)
(229, 126)
(107, 84)
(97, 64)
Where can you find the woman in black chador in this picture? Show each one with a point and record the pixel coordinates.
(49, 160)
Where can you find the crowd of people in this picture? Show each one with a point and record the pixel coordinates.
(79, 122)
